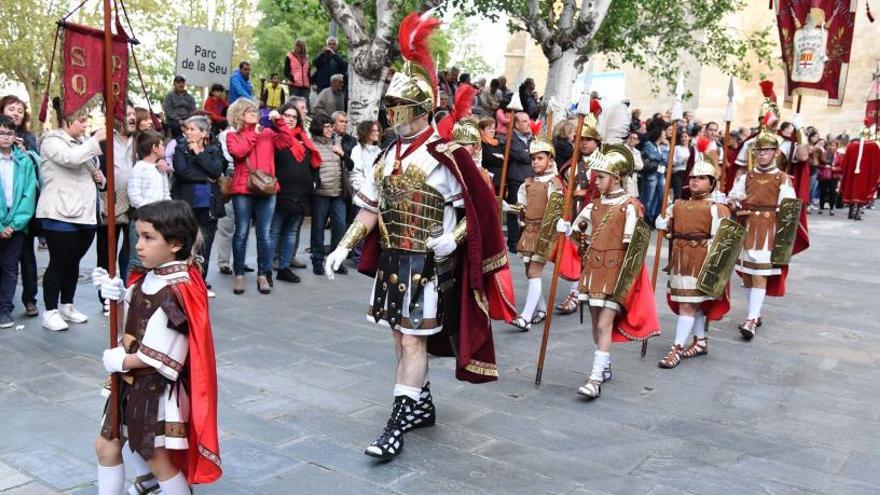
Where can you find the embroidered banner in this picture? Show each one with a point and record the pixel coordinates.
(816, 38)
(82, 72)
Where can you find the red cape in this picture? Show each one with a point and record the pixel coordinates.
(714, 310)
(482, 273)
(637, 319)
(776, 283)
(201, 462)
(859, 189)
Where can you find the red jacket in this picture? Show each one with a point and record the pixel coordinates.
(258, 149)
(216, 107)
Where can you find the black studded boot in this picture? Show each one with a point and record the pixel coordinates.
(423, 414)
(390, 442)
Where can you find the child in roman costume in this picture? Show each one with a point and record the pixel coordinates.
(756, 196)
(168, 383)
(606, 226)
(692, 225)
(539, 202)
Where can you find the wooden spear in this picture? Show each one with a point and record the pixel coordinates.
(664, 201)
(728, 117)
(109, 106)
(514, 106)
(582, 110)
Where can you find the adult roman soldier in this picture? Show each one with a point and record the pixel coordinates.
(584, 190)
(861, 170)
(431, 241)
(765, 198)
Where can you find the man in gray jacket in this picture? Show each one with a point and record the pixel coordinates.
(178, 106)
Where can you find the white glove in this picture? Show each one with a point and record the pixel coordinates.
(797, 121)
(563, 227)
(114, 359)
(505, 207)
(112, 289)
(334, 261)
(273, 115)
(661, 223)
(442, 246)
(99, 276)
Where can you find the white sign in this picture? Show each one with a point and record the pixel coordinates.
(203, 57)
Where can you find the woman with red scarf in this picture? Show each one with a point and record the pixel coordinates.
(296, 169)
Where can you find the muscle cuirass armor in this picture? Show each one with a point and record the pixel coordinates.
(409, 208)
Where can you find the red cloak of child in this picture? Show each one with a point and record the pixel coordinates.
(714, 310)
(483, 280)
(637, 318)
(201, 462)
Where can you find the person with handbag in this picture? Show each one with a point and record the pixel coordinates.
(253, 186)
(198, 168)
(328, 199)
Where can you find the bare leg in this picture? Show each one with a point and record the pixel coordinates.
(111, 472)
(606, 324)
(594, 319)
(414, 361)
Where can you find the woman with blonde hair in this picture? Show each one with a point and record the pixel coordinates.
(296, 70)
(252, 148)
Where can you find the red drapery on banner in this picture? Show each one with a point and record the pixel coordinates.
(816, 38)
(82, 75)
(872, 109)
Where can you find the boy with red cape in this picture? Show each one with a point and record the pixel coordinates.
(433, 243)
(168, 377)
(606, 226)
(692, 224)
(861, 170)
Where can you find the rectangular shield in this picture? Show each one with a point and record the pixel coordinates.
(631, 267)
(721, 258)
(547, 234)
(786, 229)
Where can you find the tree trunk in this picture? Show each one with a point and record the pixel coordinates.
(364, 94)
(560, 78)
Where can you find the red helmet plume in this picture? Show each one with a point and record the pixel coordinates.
(413, 35)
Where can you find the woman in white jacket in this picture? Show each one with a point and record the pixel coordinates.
(364, 153)
(68, 212)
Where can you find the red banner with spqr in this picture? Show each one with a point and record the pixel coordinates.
(82, 76)
(816, 38)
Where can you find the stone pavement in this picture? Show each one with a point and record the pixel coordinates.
(305, 384)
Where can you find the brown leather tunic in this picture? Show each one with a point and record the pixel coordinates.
(536, 203)
(691, 231)
(143, 389)
(762, 198)
(602, 261)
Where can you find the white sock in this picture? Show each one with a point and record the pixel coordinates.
(700, 325)
(137, 463)
(176, 485)
(574, 288)
(532, 297)
(601, 359)
(411, 392)
(748, 292)
(111, 480)
(542, 304)
(683, 328)
(756, 300)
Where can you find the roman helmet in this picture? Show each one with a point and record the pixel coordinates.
(590, 129)
(769, 104)
(540, 143)
(413, 90)
(704, 164)
(615, 159)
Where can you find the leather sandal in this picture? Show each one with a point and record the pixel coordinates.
(672, 358)
(699, 347)
(748, 329)
(567, 306)
(539, 317)
(521, 323)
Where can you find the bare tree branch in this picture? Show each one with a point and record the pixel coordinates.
(567, 16)
(345, 18)
(536, 24)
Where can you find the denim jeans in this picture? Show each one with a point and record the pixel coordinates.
(322, 207)
(511, 192)
(652, 194)
(260, 209)
(284, 235)
(10, 252)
